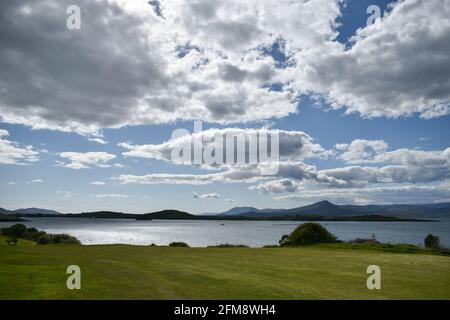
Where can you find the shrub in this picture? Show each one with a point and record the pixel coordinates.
(432, 241)
(229, 245)
(178, 244)
(308, 233)
(16, 230)
(41, 237)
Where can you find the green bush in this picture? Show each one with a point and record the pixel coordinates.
(432, 241)
(308, 233)
(178, 244)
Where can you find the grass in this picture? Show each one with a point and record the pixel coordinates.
(20, 242)
(135, 272)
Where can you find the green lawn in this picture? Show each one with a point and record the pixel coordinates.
(20, 242)
(133, 272)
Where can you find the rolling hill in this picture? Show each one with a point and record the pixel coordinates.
(166, 214)
(31, 211)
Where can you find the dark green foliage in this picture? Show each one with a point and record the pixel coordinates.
(167, 214)
(178, 244)
(432, 241)
(308, 233)
(41, 237)
(228, 245)
(16, 231)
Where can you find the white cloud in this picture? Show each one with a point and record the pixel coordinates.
(13, 153)
(195, 195)
(98, 140)
(399, 69)
(277, 186)
(208, 60)
(65, 194)
(204, 60)
(86, 160)
(112, 195)
(35, 181)
(97, 183)
(360, 151)
(293, 145)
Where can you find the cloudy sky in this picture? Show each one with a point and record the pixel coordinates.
(362, 109)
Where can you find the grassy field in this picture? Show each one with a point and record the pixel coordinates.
(134, 272)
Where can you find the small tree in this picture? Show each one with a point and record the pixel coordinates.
(308, 233)
(432, 241)
(15, 231)
(12, 241)
(284, 239)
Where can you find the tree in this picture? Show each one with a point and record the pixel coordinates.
(12, 241)
(308, 233)
(432, 241)
(178, 244)
(15, 231)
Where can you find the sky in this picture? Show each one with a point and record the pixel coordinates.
(89, 115)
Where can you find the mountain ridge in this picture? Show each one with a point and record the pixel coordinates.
(326, 209)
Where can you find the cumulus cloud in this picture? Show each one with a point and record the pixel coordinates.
(293, 145)
(359, 151)
(277, 186)
(79, 160)
(127, 66)
(401, 165)
(138, 63)
(399, 69)
(242, 173)
(13, 153)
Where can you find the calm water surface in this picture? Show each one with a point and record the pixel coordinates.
(251, 233)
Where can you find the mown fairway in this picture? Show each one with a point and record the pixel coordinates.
(133, 272)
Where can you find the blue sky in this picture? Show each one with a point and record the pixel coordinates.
(413, 165)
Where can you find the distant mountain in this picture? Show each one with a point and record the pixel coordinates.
(4, 211)
(404, 210)
(236, 210)
(328, 209)
(322, 208)
(31, 211)
(166, 214)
